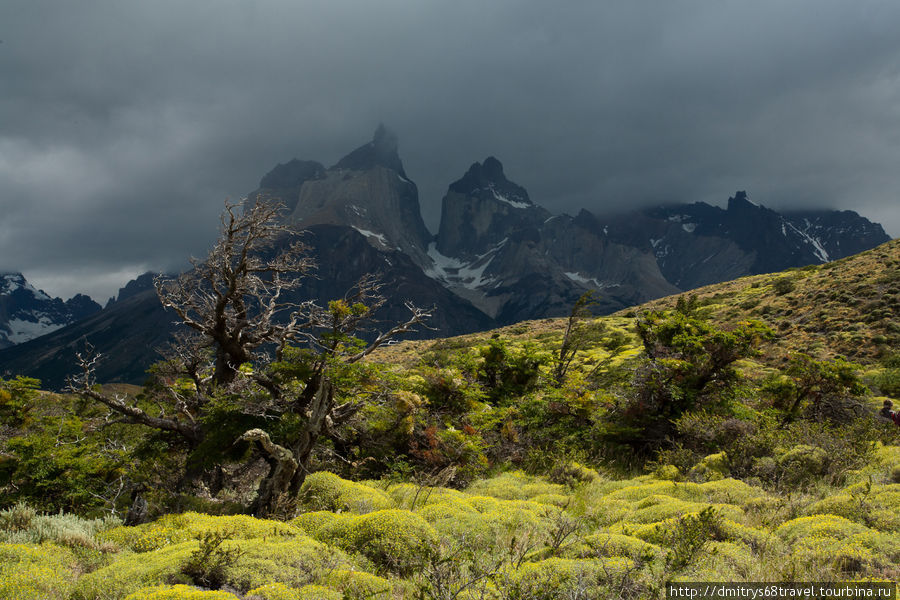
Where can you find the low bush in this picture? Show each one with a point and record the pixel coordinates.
(327, 491)
(178, 592)
(35, 572)
(396, 540)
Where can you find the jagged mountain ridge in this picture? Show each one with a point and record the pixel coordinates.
(498, 257)
(27, 313)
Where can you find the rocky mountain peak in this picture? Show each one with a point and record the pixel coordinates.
(488, 181)
(482, 209)
(382, 151)
(741, 202)
(27, 313)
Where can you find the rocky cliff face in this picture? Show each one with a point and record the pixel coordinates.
(367, 190)
(515, 260)
(27, 313)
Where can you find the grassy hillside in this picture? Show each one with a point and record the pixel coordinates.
(721, 438)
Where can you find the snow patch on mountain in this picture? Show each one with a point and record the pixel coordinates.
(455, 272)
(513, 203)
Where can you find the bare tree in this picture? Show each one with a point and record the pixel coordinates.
(240, 323)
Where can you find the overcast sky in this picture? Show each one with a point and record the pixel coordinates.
(125, 124)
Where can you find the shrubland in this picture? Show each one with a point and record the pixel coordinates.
(727, 435)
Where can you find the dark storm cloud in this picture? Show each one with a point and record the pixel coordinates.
(124, 125)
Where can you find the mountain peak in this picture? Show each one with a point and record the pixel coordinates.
(740, 200)
(487, 179)
(382, 151)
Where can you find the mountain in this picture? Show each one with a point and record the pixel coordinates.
(498, 257)
(367, 190)
(130, 331)
(27, 313)
(698, 244)
(515, 260)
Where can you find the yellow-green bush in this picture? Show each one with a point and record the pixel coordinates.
(552, 499)
(616, 544)
(396, 540)
(725, 561)
(410, 496)
(514, 486)
(279, 591)
(819, 526)
(802, 464)
(310, 522)
(293, 561)
(558, 578)
(296, 561)
(29, 572)
(450, 509)
(318, 592)
(178, 592)
(327, 491)
(174, 529)
(875, 509)
(276, 591)
(711, 468)
(132, 572)
(729, 491)
(642, 489)
(357, 585)
(667, 473)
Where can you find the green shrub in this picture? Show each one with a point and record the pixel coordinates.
(22, 525)
(208, 564)
(572, 473)
(132, 572)
(561, 578)
(616, 544)
(411, 496)
(802, 464)
(327, 491)
(784, 285)
(514, 486)
(175, 529)
(711, 468)
(279, 591)
(396, 540)
(178, 592)
(356, 585)
(35, 572)
(310, 522)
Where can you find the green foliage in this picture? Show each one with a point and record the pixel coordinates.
(561, 578)
(508, 373)
(207, 566)
(327, 491)
(178, 592)
(784, 285)
(396, 540)
(690, 364)
(818, 386)
(20, 524)
(690, 537)
(35, 572)
(17, 398)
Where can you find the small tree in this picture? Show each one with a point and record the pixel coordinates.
(817, 384)
(689, 364)
(237, 352)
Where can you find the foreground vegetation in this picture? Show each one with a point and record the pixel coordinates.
(508, 537)
(720, 436)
